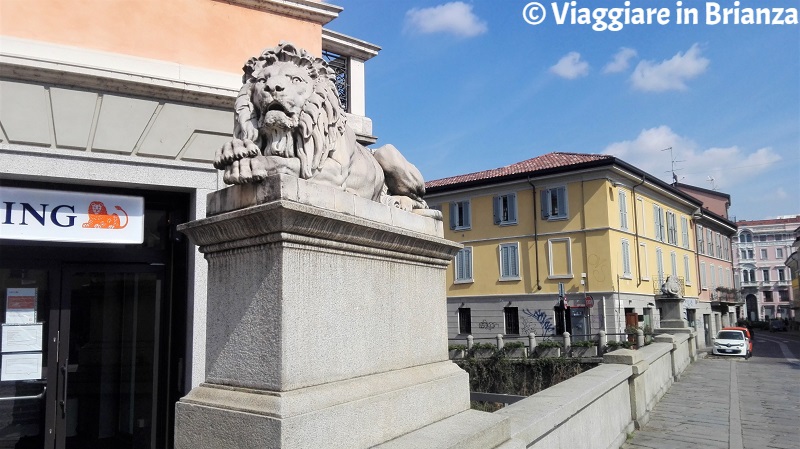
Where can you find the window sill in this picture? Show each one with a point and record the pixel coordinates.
(507, 223)
(627, 276)
(561, 276)
(461, 229)
(464, 281)
(555, 218)
(502, 279)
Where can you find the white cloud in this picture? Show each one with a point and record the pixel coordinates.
(729, 166)
(670, 74)
(455, 17)
(571, 66)
(621, 60)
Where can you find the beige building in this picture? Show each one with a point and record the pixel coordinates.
(120, 106)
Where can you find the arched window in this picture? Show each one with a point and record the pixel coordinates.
(746, 237)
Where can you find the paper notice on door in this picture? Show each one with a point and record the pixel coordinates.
(22, 337)
(20, 305)
(21, 367)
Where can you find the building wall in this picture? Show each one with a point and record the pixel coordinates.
(179, 31)
(592, 234)
(773, 296)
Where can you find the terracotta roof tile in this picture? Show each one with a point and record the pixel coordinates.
(543, 162)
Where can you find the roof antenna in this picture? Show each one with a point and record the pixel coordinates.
(713, 182)
(672, 165)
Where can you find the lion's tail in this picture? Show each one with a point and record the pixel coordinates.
(126, 216)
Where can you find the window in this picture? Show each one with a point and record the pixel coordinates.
(672, 229)
(660, 266)
(559, 255)
(783, 295)
(460, 215)
(464, 320)
(463, 266)
(643, 255)
(712, 282)
(658, 223)
(781, 275)
(768, 296)
(509, 261)
(623, 210)
(746, 237)
(745, 276)
(709, 243)
(744, 254)
(750, 254)
(723, 281)
(765, 274)
(779, 253)
(701, 248)
(673, 258)
(718, 242)
(505, 209)
(763, 253)
(554, 203)
(687, 272)
(641, 213)
(685, 232)
(626, 258)
(511, 315)
(762, 238)
(703, 276)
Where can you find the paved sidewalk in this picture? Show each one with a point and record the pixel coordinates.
(731, 403)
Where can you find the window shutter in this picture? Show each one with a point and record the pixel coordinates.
(468, 263)
(467, 215)
(514, 261)
(453, 216)
(545, 197)
(512, 207)
(460, 265)
(497, 208)
(562, 201)
(656, 221)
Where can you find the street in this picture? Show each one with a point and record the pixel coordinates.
(727, 402)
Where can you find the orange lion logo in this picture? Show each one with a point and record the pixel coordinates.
(99, 217)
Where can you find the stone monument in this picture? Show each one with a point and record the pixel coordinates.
(671, 301)
(326, 290)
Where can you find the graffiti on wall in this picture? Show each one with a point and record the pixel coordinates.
(487, 325)
(538, 322)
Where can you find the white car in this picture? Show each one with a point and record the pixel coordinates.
(731, 342)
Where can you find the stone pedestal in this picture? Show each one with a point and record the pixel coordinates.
(326, 325)
(671, 312)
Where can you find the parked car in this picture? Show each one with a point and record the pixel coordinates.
(777, 326)
(733, 341)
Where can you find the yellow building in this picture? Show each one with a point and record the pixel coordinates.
(603, 231)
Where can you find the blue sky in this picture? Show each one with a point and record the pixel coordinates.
(466, 86)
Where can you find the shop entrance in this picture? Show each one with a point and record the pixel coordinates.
(93, 340)
(83, 372)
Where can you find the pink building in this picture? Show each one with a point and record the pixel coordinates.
(762, 247)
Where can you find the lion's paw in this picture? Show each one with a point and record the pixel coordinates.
(245, 170)
(233, 151)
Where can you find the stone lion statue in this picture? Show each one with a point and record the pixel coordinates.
(671, 287)
(288, 120)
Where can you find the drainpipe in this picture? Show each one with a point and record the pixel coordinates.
(535, 235)
(636, 231)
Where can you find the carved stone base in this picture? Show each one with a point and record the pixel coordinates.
(326, 324)
(671, 312)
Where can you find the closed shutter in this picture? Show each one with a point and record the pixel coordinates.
(453, 215)
(512, 207)
(545, 197)
(562, 202)
(497, 208)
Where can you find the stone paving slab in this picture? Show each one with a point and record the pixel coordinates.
(697, 411)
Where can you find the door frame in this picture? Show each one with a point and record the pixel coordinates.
(56, 413)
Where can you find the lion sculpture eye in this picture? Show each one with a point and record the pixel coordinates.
(297, 80)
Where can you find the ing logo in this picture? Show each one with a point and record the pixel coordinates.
(100, 218)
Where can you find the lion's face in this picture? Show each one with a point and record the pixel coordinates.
(97, 208)
(279, 92)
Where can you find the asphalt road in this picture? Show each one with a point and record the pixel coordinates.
(729, 402)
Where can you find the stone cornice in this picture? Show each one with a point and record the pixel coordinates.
(348, 46)
(314, 11)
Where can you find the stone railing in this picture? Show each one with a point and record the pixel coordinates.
(598, 408)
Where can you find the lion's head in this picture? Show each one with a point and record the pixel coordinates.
(97, 208)
(295, 106)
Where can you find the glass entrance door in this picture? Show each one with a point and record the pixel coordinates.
(108, 357)
(24, 391)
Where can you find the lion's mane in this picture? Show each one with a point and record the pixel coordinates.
(321, 122)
